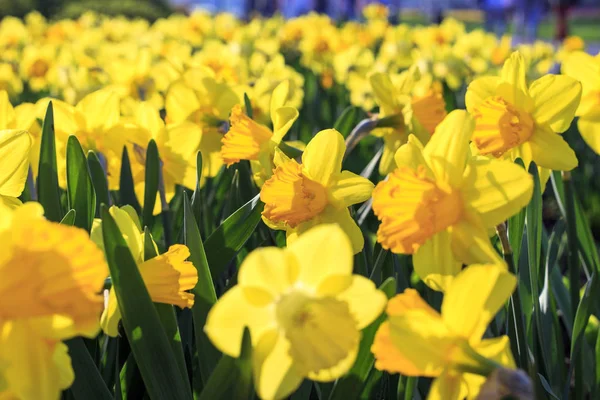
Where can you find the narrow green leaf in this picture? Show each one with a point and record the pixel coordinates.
(223, 244)
(449, 98)
(547, 387)
(232, 378)
(197, 195)
(350, 385)
(149, 343)
(151, 182)
(48, 191)
(290, 151)
(204, 292)
(98, 180)
(80, 189)
(248, 105)
(597, 372)
(69, 218)
(516, 226)
(88, 383)
(347, 120)
(126, 185)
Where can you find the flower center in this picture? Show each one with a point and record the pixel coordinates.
(499, 126)
(290, 197)
(244, 139)
(38, 68)
(412, 208)
(321, 331)
(429, 109)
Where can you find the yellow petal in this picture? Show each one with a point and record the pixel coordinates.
(447, 151)
(283, 118)
(321, 252)
(180, 102)
(556, 98)
(14, 153)
(383, 90)
(590, 132)
(345, 221)
(227, 318)
(479, 90)
(514, 72)
(498, 350)
(391, 143)
(474, 298)
(471, 243)
(496, 189)
(275, 376)
(418, 333)
(583, 67)
(7, 113)
(331, 374)
(366, 302)
(435, 263)
(210, 147)
(100, 109)
(323, 156)
(449, 386)
(550, 150)
(348, 188)
(269, 269)
(279, 97)
(130, 230)
(411, 155)
(109, 321)
(148, 117)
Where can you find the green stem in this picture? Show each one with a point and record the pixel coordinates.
(515, 300)
(574, 273)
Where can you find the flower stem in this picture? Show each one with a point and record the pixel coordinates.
(515, 300)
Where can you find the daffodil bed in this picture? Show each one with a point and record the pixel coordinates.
(207, 208)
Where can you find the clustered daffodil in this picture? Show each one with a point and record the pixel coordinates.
(304, 309)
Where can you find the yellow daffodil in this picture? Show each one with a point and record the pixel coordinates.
(419, 103)
(300, 196)
(167, 276)
(96, 121)
(514, 119)
(37, 66)
(15, 146)
(304, 310)
(586, 69)
(52, 277)
(201, 99)
(248, 140)
(176, 143)
(416, 340)
(439, 203)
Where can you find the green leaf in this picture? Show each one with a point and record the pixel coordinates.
(223, 244)
(197, 195)
(88, 383)
(80, 189)
(151, 182)
(248, 105)
(166, 314)
(98, 180)
(232, 378)
(148, 340)
(449, 98)
(350, 385)
(69, 218)
(204, 292)
(290, 151)
(126, 184)
(48, 190)
(347, 120)
(516, 225)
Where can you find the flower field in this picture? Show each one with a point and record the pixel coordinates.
(208, 208)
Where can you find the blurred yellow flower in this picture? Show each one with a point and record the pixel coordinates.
(586, 69)
(167, 276)
(416, 340)
(439, 203)
(15, 146)
(300, 196)
(304, 310)
(513, 119)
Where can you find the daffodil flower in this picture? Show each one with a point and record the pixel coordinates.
(304, 309)
(416, 340)
(300, 196)
(176, 143)
(514, 119)
(52, 276)
(167, 276)
(439, 203)
(248, 140)
(586, 68)
(419, 102)
(15, 146)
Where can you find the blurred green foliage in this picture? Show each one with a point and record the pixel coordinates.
(148, 9)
